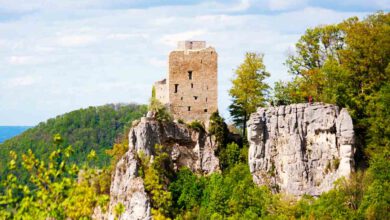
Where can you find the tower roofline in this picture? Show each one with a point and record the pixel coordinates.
(191, 45)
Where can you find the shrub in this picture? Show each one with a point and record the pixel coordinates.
(229, 156)
(196, 125)
(162, 113)
(336, 163)
(219, 129)
(156, 175)
(180, 121)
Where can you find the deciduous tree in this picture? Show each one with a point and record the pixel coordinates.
(249, 89)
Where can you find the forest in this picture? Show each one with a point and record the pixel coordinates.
(93, 128)
(345, 64)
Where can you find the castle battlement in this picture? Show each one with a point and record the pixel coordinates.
(190, 90)
(191, 45)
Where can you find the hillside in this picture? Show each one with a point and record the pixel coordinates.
(7, 132)
(93, 128)
(316, 146)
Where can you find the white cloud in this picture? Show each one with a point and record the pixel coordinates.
(23, 60)
(76, 40)
(21, 81)
(241, 6)
(126, 36)
(157, 62)
(277, 5)
(172, 39)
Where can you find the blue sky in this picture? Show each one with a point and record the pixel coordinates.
(58, 56)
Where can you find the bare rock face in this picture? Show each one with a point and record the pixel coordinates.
(128, 188)
(300, 149)
(187, 147)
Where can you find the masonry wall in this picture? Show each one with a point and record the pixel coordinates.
(193, 83)
(161, 88)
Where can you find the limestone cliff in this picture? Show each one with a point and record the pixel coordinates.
(300, 149)
(187, 147)
(190, 148)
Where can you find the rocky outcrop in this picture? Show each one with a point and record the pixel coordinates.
(128, 188)
(300, 149)
(187, 147)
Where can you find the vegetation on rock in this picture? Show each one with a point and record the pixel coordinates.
(161, 112)
(346, 64)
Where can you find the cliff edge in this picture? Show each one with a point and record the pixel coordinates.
(300, 149)
(187, 147)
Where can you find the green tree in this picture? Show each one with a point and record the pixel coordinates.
(379, 130)
(156, 175)
(346, 64)
(186, 190)
(249, 89)
(376, 199)
(229, 156)
(93, 128)
(219, 129)
(56, 188)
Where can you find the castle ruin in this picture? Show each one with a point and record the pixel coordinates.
(190, 90)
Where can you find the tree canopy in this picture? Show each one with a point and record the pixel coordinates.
(93, 128)
(249, 89)
(346, 64)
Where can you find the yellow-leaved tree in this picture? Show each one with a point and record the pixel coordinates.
(249, 89)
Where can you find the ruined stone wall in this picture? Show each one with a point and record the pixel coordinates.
(193, 84)
(191, 45)
(161, 88)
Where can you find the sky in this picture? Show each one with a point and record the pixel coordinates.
(61, 55)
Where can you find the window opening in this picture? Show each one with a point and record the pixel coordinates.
(189, 108)
(176, 87)
(205, 110)
(196, 97)
(190, 74)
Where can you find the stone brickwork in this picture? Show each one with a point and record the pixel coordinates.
(191, 89)
(191, 45)
(162, 91)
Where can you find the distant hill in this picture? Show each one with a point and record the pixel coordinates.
(85, 129)
(7, 132)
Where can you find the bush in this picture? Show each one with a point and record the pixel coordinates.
(156, 175)
(197, 126)
(219, 129)
(161, 111)
(229, 156)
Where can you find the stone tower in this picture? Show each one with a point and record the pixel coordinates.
(191, 88)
